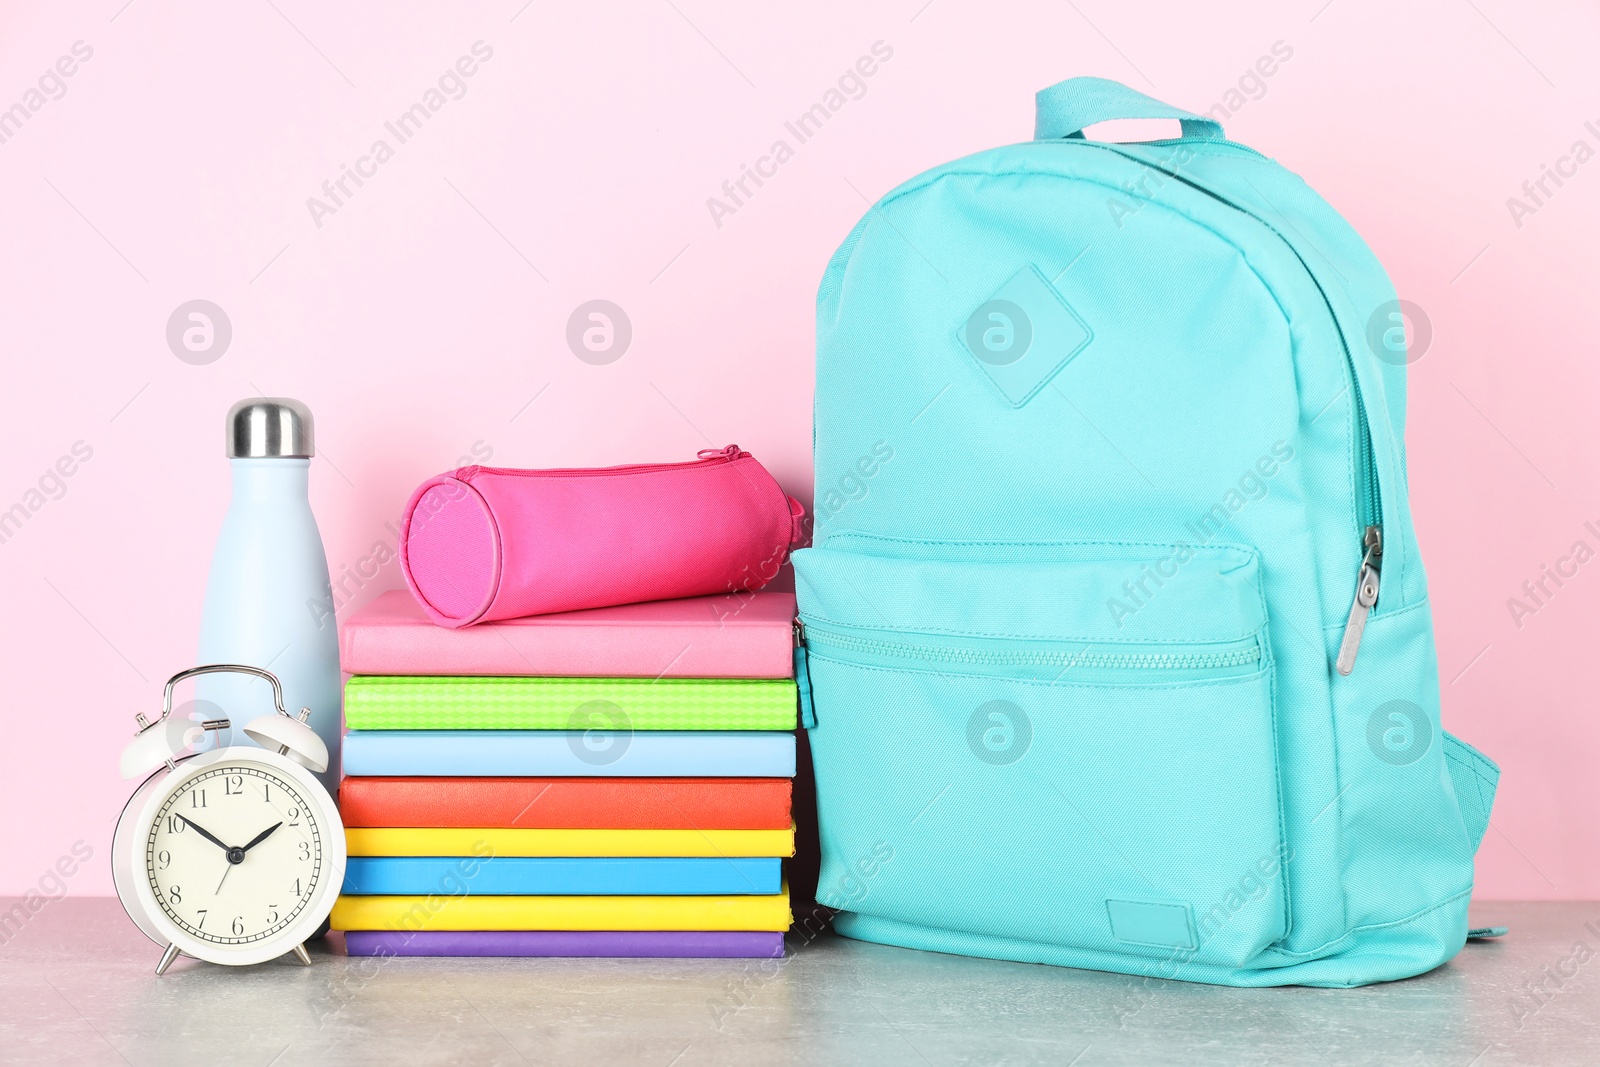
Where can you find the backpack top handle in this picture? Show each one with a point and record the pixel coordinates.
(1066, 108)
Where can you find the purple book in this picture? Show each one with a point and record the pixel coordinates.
(724, 944)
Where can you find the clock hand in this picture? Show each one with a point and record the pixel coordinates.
(207, 834)
(236, 855)
(262, 836)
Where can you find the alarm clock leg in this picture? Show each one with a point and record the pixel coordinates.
(166, 959)
(302, 955)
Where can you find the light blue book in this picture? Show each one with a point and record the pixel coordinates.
(570, 753)
(561, 875)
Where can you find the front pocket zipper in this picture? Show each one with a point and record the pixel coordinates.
(1064, 660)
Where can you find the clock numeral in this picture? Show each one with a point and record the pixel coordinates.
(238, 925)
(175, 825)
(175, 894)
(164, 858)
(266, 792)
(197, 799)
(201, 925)
(305, 851)
(233, 785)
(293, 815)
(297, 888)
(273, 908)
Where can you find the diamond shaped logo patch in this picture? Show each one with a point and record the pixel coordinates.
(1023, 334)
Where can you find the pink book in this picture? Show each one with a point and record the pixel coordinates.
(733, 635)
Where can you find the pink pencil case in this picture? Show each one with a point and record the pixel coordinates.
(485, 543)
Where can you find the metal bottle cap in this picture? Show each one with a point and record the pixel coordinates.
(269, 427)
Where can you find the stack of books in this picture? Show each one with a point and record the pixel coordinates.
(612, 782)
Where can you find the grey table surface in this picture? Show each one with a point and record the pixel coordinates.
(77, 986)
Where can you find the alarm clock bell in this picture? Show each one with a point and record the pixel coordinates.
(153, 744)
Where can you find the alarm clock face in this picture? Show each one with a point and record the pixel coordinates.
(235, 854)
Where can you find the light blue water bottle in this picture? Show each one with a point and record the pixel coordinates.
(268, 602)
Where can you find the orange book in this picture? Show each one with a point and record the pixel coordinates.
(568, 803)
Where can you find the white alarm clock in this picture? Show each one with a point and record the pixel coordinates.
(233, 855)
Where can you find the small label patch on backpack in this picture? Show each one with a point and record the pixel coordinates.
(1023, 334)
(1142, 922)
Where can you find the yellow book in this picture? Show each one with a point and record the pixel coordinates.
(496, 841)
(444, 912)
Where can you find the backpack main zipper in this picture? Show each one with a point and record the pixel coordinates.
(1369, 504)
(1366, 596)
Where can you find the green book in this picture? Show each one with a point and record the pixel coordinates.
(395, 703)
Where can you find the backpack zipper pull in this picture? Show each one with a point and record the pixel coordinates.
(1366, 597)
(802, 676)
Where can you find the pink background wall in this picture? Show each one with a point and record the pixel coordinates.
(426, 316)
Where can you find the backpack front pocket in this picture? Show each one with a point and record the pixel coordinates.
(1064, 744)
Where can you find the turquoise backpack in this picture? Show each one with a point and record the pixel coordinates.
(1115, 641)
